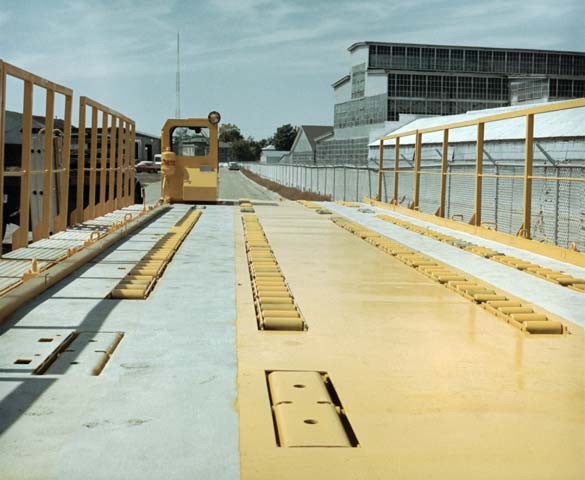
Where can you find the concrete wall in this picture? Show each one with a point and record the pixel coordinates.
(376, 84)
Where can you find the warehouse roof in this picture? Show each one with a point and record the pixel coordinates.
(562, 123)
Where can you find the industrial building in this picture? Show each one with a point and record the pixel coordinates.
(391, 84)
(304, 149)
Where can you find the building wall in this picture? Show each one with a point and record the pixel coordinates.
(376, 84)
(352, 151)
(441, 80)
(342, 93)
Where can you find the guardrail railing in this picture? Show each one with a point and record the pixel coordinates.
(41, 180)
(115, 138)
(478, 175)
(49, 171)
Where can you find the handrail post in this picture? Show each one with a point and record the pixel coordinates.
(444, 160)
(89, 213)
(478, 173)
(396, 169)
(77, 215)
(528, 158)
(20, 236)
(61, 220)
(2, 122)
(417, 161)
(380, 171)
(103, 160)
(42, 229)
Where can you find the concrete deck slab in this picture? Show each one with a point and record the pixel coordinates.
(574, 270)
(164, 406)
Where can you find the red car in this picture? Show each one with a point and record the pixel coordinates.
(148, 166)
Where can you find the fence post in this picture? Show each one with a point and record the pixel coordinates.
(2, 122)
(357, 184)
(478, 174)
(344, 178)
(89, 213)
(380, 171)
(528, 158)
(417, 161)
(396, 169)
(20, 236)
(444, 160)
(42, 230)
(333, 197)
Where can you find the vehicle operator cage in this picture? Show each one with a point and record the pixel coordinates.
(189, 169)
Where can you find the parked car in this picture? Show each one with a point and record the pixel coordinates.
(234, 166)
(147, 166)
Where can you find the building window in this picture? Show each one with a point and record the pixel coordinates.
(434, 87)
(479, 88)
(552, 64)
(442, 59)
(464, 87)
(449, 87)
(579, 88)
(579, 64)
(471, 60)
(565, 88)
(485, 60)
(526, 61)
(413, 58)
(457, 62)
(398, 57)
(419, 86)
(539, 63)
(566, 64)
(403, 84)
(428, 59)
(513, 63)
(499, 62)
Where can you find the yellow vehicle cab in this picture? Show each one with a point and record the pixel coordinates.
(190, 159)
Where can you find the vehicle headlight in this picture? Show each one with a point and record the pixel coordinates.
(214, 117)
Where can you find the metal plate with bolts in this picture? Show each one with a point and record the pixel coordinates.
(85, 353)
(307, 411)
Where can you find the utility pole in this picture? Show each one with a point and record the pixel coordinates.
(178, 80)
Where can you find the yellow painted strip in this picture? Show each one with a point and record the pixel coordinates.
(473, 291)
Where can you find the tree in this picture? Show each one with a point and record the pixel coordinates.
(242, 151)
(284, 137)
(228, 132)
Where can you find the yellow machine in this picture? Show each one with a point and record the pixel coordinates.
(190, 159)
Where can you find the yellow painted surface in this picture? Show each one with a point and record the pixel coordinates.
(433, 385)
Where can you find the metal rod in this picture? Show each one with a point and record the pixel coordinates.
(444, 161)
(417, 162)
(396, 170)
(380, 171)
(528, 158)
(478, 172)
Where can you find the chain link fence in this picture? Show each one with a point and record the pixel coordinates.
(558, 206)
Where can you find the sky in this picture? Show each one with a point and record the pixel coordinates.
(260, 63)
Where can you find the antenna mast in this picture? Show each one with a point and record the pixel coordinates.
(178, 80)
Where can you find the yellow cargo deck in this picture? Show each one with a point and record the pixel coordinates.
(395, 375)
